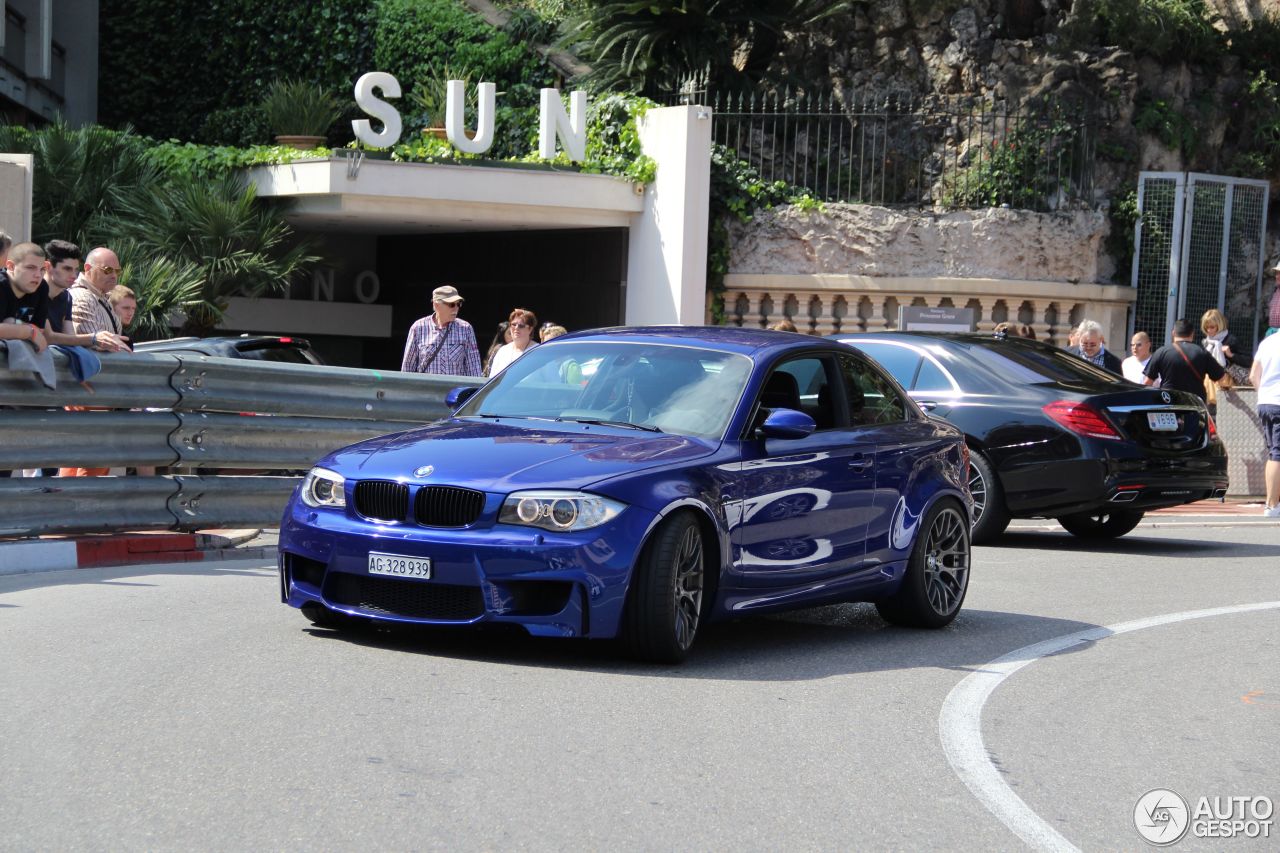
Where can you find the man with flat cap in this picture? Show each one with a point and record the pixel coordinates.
(440, 343)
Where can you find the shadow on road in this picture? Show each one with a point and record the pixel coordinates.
(1133, 544)
(802, 645)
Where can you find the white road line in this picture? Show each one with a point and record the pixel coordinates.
(960, 722)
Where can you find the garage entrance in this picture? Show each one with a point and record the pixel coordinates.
(575, 278)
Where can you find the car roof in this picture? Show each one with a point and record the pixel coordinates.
(746, 341)
(236, 341)
(985, 338)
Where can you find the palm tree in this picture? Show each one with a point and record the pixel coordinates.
(164, 288)
(80, 175)
(649, 46)
(241, 245)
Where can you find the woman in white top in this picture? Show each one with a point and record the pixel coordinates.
(521, 324)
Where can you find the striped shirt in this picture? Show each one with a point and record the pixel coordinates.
(458, 357)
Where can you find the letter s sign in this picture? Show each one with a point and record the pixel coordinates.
(378, 108)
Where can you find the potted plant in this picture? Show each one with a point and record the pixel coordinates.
(300, 114)
(431, 97)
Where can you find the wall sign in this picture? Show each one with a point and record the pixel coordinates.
(553, 122)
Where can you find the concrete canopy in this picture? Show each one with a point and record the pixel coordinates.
(380, 196)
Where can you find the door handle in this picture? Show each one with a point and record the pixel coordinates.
(861, 462)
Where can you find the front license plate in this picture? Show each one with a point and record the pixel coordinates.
(399, 566)
(1162, 421)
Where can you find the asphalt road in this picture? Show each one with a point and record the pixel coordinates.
(180, 707)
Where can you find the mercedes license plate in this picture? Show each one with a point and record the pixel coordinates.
(400, 566)
(1162, 421)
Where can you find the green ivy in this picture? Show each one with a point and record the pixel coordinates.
(1011, 170)
(737, 192)
(1124, 218)
(189, 160)
(1182, 30)
(1174, 129)
(196, 69)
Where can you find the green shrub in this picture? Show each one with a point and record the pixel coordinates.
(1159, 118)
(182, 68)
(416, 38)
(1164, 29)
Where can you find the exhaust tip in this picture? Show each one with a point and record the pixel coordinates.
(1125, 497)
(1219, 493)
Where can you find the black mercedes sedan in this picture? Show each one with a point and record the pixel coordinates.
(1052, 436)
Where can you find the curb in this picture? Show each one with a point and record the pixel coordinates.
(60, 554)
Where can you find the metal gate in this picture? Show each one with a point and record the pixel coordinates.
(1199, 244)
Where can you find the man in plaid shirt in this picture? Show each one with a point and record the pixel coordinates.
(440, 343)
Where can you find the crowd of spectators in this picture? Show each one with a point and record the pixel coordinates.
(56, 296)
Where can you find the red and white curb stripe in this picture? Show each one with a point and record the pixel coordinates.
(48, 555)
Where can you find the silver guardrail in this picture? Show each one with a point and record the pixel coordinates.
(188, 412)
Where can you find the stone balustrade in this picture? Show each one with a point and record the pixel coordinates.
(822, 304)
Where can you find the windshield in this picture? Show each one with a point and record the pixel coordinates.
(658, 387)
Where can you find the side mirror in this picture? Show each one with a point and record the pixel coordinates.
(787, 423)
(457, 396)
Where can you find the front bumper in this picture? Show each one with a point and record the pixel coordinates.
(551, 584)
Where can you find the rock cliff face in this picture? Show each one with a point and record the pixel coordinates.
(1015, 51)
(866, 240)
(1005, 50)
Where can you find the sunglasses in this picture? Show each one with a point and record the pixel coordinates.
(109, 270)
(521, 326)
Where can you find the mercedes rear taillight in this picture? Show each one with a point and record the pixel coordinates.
(1081, 418)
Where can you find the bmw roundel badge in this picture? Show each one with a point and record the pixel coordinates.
(425, 470)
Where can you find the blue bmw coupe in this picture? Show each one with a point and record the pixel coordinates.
(636, 483)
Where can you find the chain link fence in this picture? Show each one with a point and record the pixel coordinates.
(1199, 245)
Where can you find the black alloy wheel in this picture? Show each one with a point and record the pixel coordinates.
(937, 574)
(1101, 524)
(990, 517)
(665, 608)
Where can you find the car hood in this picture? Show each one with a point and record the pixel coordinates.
(501, 456)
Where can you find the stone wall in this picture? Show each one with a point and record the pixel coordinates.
(851, 267)
(995, 243)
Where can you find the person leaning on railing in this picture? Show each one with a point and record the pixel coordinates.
(91, 313)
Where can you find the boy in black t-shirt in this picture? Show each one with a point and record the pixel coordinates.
(24, 298)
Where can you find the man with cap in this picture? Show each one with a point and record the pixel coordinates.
(440, 343)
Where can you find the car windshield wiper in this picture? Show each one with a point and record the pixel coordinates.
(489, 416)
(599, 422)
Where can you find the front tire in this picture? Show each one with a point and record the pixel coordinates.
(665, 607)
(1105, 524)
(990, 516)
(322, 617)
(937, 574)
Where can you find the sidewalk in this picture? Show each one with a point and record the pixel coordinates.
(58, 553)
(1231, 506)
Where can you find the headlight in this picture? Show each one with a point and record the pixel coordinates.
(558, 511)
(323, 487)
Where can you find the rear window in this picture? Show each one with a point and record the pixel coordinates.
(902, 362)
(287, 354)
(1034, 365)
